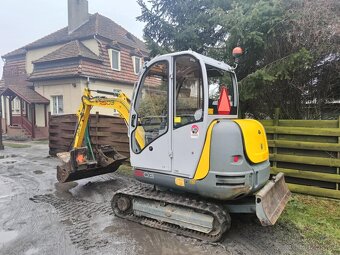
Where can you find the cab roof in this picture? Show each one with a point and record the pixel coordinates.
(205, 59)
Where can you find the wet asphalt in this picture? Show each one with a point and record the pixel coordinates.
(40, 216)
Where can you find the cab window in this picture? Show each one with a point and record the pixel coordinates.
(217, 79)
(188, 100)
(151, 106)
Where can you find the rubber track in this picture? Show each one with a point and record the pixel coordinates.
(221, 217)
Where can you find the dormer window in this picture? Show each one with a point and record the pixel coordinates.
(114, 59)
(137, 64)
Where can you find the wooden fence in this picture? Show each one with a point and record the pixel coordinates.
(103, 130)
(306, 151)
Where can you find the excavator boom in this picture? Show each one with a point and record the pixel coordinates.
(84, 161)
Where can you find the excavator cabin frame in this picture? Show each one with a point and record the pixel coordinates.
(223, 158)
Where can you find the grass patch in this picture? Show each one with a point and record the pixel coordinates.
(16, 145)
(41, 142)
(317, 219)
(125, 170)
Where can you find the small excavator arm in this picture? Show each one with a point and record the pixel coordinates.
(76, 163)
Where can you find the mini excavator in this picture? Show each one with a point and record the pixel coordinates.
(185, 139)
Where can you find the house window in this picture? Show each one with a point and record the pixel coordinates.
(115, 59)
(16, 106)
(137, 64)
(57, 105)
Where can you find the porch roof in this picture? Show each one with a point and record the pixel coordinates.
(25, 93)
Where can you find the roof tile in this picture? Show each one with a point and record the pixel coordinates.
(84, 67)
(17, 52)
(62, 70)
(27, 94)
(72, 49)
(98, 25)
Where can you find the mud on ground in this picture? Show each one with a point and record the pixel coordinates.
(40, 216)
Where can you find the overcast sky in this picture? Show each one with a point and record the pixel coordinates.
(24, 21)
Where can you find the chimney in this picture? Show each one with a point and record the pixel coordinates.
(78, 14)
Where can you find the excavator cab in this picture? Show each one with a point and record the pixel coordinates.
(175, 101)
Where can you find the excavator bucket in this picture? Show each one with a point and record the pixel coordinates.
(75, 164)
(271, 200)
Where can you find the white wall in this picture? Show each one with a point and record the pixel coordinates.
(92, 44)
(108, 86)
(5, 109)
(70, 90)
(4, 119)
(39, 115)
(36, 54)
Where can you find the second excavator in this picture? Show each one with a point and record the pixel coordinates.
(186, 140)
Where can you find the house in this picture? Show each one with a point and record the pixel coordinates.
(49, 75)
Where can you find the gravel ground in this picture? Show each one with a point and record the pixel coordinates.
(40, 216)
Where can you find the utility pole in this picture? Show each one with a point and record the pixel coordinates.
(1, 144)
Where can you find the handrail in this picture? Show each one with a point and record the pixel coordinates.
(27, 125)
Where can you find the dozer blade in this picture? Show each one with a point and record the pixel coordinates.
(271, 200)
(108, 160)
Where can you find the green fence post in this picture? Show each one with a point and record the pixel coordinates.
(275, 136)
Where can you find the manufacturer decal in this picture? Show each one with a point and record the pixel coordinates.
(140, 173)
(149, 175)
(194, 131)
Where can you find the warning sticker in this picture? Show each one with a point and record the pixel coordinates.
(194, 131)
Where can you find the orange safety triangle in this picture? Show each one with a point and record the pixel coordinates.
(223, 106)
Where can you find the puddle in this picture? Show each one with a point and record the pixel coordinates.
(38, 172)
(7, 236)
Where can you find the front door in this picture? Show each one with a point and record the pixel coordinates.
(189, 127)
(150, 130)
